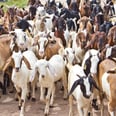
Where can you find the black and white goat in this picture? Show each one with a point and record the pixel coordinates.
(90, 66)
(79, 84)
(80, 87)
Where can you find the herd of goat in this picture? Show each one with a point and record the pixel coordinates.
(47, 43)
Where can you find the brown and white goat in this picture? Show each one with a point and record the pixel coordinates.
(107, 81)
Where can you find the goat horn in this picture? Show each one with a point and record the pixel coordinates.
(79, 76)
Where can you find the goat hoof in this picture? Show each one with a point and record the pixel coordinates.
(51, 106)
(33, 99)
(16, 99)
(95, 106)
(19, 107)
(36, 89)
(45, 114)
(65, 98)
(89, 114)
(29, 96)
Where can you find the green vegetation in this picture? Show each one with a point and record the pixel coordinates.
(18, 3)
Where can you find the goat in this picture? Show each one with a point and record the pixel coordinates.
(107, 80)
(50, 72)
(21, 38)
(5, 53)
(47, 47)
(22, 64)
(90, 65)
(80, 86)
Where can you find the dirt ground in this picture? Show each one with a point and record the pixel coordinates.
(9, 106)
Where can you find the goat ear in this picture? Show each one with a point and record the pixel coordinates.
(51, 69)
(46, 42)
(27, 63)
(75, 84)
(78, 22)
(1, 6)
(78, 75)
(45, 57)
(9, 62)
(12, 33)
(75, 61)
(35, 40)
(18, 18)
(90, 55)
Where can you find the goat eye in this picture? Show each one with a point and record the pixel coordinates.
(83, 88)
(25, 37)
(73, 52)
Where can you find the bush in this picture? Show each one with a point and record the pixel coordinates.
(18, 3)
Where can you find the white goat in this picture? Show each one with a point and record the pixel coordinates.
(77, 45)
(22, 64)
(69, 56)
(43, 21)
(32, 59)
(21, 39)
(50, 72)
(67, 37)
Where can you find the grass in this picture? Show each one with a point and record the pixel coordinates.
(18, 3)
